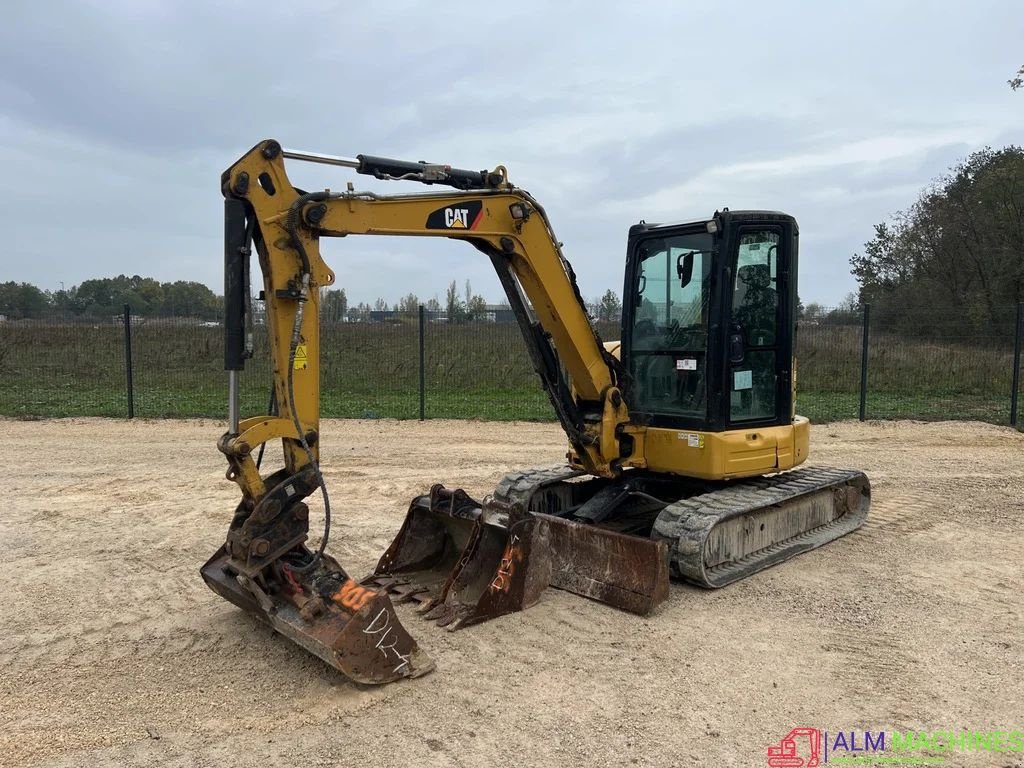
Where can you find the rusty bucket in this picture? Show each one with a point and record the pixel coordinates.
(439, 530)
(350, 626)
(463, 561)
(466, 562)
(506, 570)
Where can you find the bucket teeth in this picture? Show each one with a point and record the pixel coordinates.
(455, 556)
(450, 619)
(405, 592)
(381, 582)
(426, 602)
(436, 612)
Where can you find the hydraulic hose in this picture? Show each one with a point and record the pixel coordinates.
(292, 224)
(271, 410)
(293, 346)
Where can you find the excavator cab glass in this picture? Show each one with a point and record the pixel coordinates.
(670, 323)
(707, 328)
(755, 318)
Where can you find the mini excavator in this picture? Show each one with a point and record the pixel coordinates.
(684, 443)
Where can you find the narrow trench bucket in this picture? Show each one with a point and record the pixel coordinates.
(465, 562)
(350, 626)
(507, 569)
(439, 532)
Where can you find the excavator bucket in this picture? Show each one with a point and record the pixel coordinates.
(504, 570)
(352, 627)
(467, 562)
(439, 531)
(464, 562)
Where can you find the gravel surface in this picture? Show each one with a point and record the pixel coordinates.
(114, 652)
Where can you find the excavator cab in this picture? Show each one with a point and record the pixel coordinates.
(708, 322)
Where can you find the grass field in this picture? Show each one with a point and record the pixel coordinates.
(472, 371)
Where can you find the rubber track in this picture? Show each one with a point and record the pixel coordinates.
(687, 524)
(520, 486)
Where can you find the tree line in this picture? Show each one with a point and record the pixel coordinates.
(458, 307)
(954, 260)
(106, 296)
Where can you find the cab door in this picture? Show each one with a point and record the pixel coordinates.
(667, 317)
(760, 322)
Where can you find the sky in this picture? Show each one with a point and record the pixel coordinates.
(117, 118)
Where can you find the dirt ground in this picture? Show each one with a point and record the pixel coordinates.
(114, 652)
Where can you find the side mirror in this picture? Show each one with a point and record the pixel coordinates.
(737, 349)
(684, 268)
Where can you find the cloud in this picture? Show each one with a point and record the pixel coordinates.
(118, 118)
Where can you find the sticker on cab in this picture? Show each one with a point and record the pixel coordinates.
(692, 440)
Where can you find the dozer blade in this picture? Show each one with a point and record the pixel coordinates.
(352, 627)
(624, 571)
(468, 562)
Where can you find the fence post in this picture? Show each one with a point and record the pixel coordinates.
(128, 360)
(423, 367)
(1016, 364)
(864, 363)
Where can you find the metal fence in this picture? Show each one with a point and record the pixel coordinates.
(926, 364)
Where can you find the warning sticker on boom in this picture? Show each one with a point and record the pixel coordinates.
(301, 361)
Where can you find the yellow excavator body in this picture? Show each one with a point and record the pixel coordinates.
(683, 435)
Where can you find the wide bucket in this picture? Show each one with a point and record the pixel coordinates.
(352, 627)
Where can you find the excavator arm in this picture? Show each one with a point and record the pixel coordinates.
(503, 222)
(264, 565)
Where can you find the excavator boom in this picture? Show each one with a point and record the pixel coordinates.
(504, 222)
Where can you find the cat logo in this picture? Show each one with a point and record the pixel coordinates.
(456, 217)
(464, 216)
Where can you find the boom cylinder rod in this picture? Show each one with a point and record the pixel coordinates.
(316, 157)
(385, 167)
